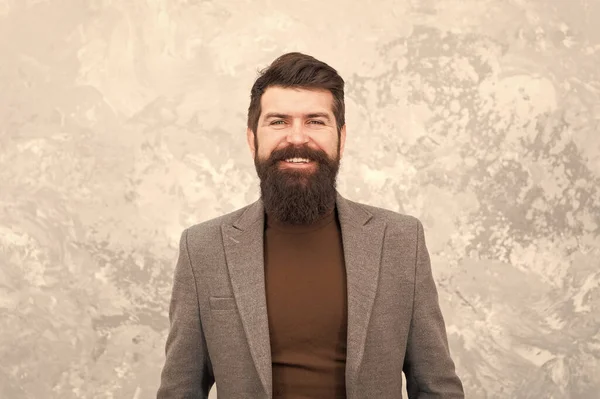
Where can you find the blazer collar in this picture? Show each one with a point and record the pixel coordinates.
(348, 212)
(362, 238)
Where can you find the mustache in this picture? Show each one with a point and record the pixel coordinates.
(298, 152)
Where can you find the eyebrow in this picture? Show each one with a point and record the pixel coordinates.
(309, 116)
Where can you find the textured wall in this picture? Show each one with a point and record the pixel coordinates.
(122, 122)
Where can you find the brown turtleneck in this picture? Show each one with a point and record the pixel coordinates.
(307, 308)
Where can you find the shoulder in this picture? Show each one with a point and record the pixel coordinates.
(401, 228)
(393, 219)
(210, 229)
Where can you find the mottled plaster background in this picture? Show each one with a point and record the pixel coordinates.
(123, 122)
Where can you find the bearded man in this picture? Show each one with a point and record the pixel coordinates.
(304, 293)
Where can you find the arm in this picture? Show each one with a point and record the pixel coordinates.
(187, 372)
(428, 366)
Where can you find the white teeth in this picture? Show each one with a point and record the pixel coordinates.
(297, 160)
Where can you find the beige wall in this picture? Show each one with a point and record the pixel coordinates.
(122, 122)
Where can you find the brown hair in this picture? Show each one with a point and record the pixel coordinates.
(297, 70)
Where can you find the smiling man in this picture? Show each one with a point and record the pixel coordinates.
(298, 158)
(303, 293)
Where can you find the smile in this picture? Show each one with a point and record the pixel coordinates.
(297, 163)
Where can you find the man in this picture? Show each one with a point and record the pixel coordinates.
(304, 294)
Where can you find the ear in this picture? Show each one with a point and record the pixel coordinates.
(342, 140)
(250, 140)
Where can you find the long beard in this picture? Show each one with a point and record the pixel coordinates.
(298, 196)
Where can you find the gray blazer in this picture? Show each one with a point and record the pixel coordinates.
(218, 314)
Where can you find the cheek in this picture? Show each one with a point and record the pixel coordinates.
(264, 149)
(328, 145)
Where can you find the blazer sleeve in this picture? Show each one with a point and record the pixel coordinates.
(187, 372)
(428, 367)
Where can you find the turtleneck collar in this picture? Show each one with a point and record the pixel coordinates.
(300, 228)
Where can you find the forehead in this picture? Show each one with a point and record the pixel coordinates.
(296, 100)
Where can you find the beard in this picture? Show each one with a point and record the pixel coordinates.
(298, 196)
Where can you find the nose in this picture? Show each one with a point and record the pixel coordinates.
(297, 135)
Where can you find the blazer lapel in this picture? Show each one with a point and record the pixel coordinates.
(362, 238)
(243, 242)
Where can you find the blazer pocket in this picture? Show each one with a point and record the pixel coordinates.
(222, 303)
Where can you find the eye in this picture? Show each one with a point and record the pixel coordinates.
(277, 122)
(317, 122)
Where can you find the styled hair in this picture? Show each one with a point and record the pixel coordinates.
(297, 70)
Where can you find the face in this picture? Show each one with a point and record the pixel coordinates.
(297, 123)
